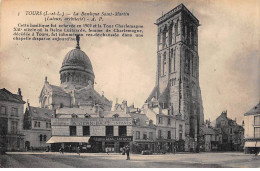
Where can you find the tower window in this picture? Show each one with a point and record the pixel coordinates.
(165, 37)
(170, 35)
(174, 59)
(164, 64)
(176, 29)
(187, 62)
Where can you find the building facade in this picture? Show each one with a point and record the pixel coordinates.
(232, 133)
(109, 132)
(76, 85)
(210, 137)
(82, 116)
(252, 130)
(177, 82)
(37, 127)
(11, 120)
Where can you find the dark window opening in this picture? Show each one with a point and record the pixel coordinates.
(41, 137)
(144, 136)
(180, 136)
(169, 135)
(169, 121)
(86, 131)
(73, 131)
(122, 130)
(109, 131)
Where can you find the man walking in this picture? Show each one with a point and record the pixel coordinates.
(128, 152)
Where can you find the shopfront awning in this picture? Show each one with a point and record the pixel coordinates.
(59, 139)
(252, 144)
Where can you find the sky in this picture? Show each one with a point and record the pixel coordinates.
(125, 68)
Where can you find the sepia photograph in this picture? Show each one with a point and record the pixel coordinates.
(130, 84)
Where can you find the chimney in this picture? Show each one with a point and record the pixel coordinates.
(19, 92)
(28, 104)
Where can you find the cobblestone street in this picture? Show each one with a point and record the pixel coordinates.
(103, 160)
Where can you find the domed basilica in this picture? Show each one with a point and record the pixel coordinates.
(77, 85)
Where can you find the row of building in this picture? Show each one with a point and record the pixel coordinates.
(37, 128)
(75, 114)
(92, 130)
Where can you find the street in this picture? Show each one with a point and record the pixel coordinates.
(103, 160)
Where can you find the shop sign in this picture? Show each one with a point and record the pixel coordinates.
(91, 121)
(128, 138)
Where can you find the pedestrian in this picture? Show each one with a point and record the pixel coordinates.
(69, 148)
(62, 150)
(123, 153)
(107, 151)
(256, 151)
(174, 149)
(78, 150)
(128, 152)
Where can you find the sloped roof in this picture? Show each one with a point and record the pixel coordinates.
(207, 130)
(254, 110)
(153, 93)
(77, 111)
(90, 88)
(142, 118)
(108, 114)
(57, 89)
(41, 113)
(6, 95)
(164, 95)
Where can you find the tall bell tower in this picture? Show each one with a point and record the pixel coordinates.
(177, 81)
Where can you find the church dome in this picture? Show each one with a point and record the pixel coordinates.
(76, 58)
(76, 68)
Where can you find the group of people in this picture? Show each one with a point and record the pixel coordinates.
(77, 150)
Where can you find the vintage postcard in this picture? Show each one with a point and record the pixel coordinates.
(122, 84)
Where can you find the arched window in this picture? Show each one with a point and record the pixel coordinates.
(170, 61)
(164, 37)
(170, 34)
(44, 138)
(187, 62)
(164, 63)
(150, 122)
(176, 28)
(192, 36)
(174, 59)
(44, 105)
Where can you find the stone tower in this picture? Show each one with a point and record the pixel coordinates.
(177, 82)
